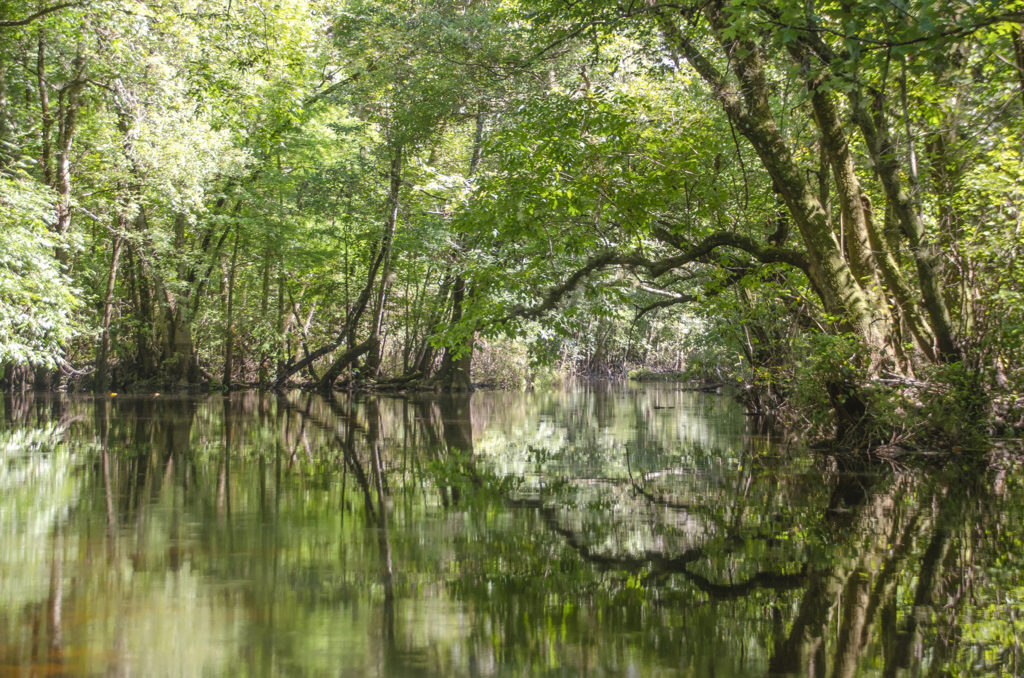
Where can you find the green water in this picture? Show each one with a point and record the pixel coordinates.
(595, 531)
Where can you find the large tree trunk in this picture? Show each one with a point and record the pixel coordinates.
(1018, 54)
(68, 103)
(868, 252)
(5, 125)
(280, 374)
(139, 291)
(454, 374)
(748, 108)
(46, 116)
(180, 363)
(264, 305)
(883, 152)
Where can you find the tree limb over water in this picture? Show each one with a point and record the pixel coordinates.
(766, 254)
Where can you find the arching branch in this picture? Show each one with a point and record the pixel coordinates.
(12, 23)
(666, 303)
(766, 254)
(556, 294)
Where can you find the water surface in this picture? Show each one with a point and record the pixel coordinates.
(604, 530)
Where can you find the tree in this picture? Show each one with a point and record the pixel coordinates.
(869, 230)
(38, 301)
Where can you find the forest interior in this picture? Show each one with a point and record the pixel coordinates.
(814, 204)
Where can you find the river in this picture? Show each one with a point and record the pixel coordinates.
(594, 530)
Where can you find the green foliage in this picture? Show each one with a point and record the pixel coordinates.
(502, 363)
(825, 364)
(648, 374)
(956, 409)
(38, 301)
(292, 178)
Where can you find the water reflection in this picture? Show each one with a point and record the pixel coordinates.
(600, 530)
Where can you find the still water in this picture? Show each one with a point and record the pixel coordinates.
(605, 530)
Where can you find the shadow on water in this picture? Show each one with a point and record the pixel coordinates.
(599, 530)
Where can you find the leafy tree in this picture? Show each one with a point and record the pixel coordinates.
(853, 207)
(38, 303)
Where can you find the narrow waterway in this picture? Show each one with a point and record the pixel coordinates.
(600, 530)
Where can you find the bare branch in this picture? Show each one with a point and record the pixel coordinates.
(880, 43)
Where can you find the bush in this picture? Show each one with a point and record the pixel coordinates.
(501, 363)
(956, 409)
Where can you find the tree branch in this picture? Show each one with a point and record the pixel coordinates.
(766, 254)
(1012, 17)
(675, 300)
(661, 564)
(666, 303)
(12, 23)
(556, 294)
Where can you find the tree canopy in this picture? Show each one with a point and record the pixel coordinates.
(818, 202)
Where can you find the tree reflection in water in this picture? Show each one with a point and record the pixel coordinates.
(597, 530)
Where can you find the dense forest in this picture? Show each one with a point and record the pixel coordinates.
(817, 203)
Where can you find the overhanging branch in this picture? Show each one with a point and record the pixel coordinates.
(766, 254)
(12, 23)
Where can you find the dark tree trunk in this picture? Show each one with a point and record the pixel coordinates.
(264, 306)
(454, 374)
(456, 362)
(229, 330)
(373, 358)
(103, 358)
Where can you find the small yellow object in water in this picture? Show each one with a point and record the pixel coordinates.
(155, 395)
(113, 395)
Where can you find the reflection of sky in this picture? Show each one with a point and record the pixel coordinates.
(589, 434)
(648, 470)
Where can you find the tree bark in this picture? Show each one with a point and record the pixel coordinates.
(883, 153)
(867, 250)
(264, 305)
(102, 359)
(280, 375)
(456, 362)
(5, 126)
(46, 117)
(1018, 53)
(229, 330)
(373, 359)
(750, 112)
(425, 357)
(142, 303)
(68, 105)
(454, 374)
(180, 363)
